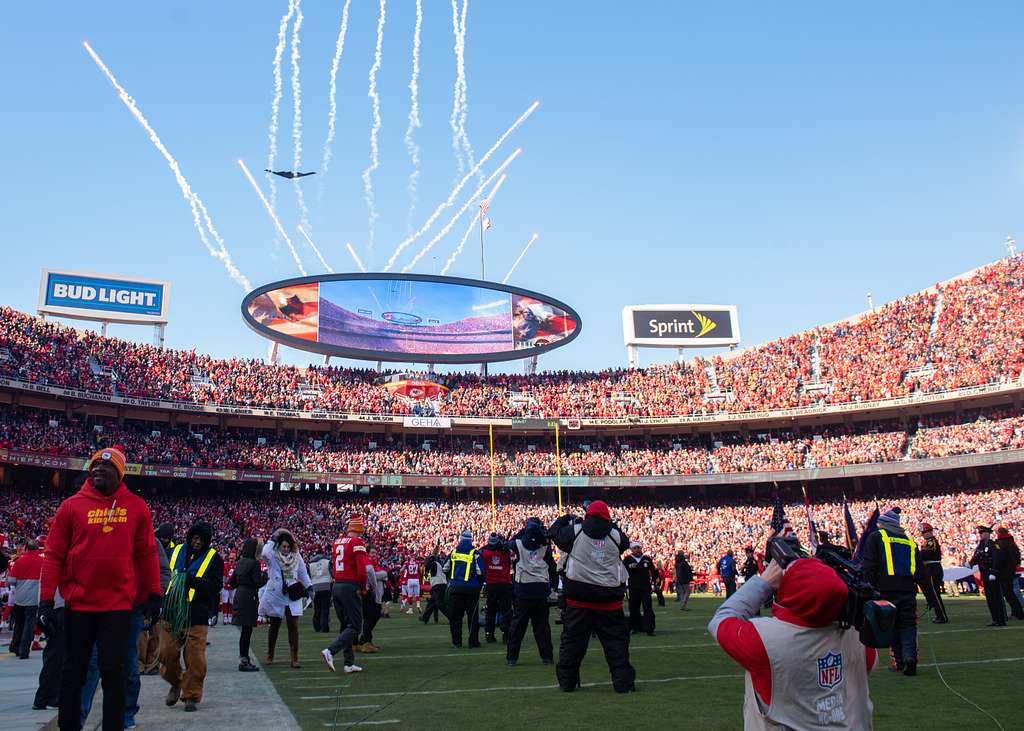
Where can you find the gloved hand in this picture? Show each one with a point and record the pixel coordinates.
(991, 577)
(45, 616)
(192, 581)
(151, 607)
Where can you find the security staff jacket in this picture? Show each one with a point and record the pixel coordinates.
(891, 561)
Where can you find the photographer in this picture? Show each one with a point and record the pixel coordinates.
(892, 563)
(595, 582)
(803, 670)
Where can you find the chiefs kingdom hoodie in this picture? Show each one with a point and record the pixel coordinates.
(101, 552)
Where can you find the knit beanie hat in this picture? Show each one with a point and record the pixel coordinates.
(599, 509)
(114, 455)
(165, 532)
(493, 540)
(356, 525)
(892, 517)
(467, 535)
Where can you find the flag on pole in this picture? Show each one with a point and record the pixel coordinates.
(812, 529)
(484, 205)
(851, 527)
(487, 224)
(869, 528)
(778, 516)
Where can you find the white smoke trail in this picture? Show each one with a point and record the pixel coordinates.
(450, 201)
(469, 229)
(275, 102)
(371, 202)
(355, 257)
(521, 255)
(332, 114)
(460, 71)
(455, 219)
(316, 250)
(414, 113)
(297, 113)
(467, 148)
(273, 217)
(195, 204)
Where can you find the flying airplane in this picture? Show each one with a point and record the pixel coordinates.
(287, 173)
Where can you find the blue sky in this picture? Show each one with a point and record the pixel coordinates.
(785, 158)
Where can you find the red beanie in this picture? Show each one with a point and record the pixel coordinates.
(599, 509)
(810, 594)
(925, 527)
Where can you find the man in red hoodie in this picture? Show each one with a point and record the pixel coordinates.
(803, 670)
(100, 552)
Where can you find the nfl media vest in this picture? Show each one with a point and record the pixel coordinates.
(531, 568)
(595, 561)
(819, 679)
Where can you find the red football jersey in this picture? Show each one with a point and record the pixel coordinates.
(350, 560)
(410, 570)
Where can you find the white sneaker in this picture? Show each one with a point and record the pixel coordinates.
(328, 659)
(353, 669)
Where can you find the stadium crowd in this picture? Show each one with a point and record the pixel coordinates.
(399, 528)
(50, 433)
(967, 332)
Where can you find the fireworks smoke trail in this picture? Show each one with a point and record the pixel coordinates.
(355, 257)
(297, 113)
(471, 228)
(273, 217)
(195, 204)
(521, 255)
(309, 240)
(458, 188)
(371, 202)
(467, 148)
(332, 114)
(414, 113)
(460, 80)
(275, 103)
(455, 219)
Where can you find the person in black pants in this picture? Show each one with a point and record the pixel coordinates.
(1009, 560)
(246, 580)
(438, 589)
(48, 692)
(989, 560)
(931, 574)
(535, 578)
(465, 572)
(641, 571)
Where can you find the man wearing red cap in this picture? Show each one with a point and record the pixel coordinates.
(595, 582)
(348, 567)
(931, 577)
(101, 553)
(803, 671)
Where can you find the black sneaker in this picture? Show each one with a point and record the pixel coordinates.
(910, 668)
(511, 663)
(547, 661)
(491, 639)
(190, 706)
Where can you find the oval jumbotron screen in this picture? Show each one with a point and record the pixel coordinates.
(409, 317)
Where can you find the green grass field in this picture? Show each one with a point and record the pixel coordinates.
(419, 681)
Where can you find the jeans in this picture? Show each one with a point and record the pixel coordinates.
(107, 633)
(322, 611)
(131, 674)
(683, 594)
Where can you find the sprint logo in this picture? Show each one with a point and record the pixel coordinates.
(706, 323)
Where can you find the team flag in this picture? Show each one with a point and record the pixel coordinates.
(487, 224)
(871, 527)
(778, 516)
(484, 206)
(812, 529)
(851, 527)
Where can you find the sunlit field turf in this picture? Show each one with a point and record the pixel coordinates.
(684, 680)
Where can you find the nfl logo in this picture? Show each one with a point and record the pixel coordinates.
(830, 670)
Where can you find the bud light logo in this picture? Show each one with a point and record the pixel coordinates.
(830, 670)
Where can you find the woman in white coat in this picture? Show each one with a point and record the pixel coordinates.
(287, 586)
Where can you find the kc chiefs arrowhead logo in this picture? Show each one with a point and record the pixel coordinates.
(830, 670)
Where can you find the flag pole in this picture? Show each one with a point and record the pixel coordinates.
(482, 271)
(558, 468)
(494, 514)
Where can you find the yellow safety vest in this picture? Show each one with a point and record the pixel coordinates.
(199, 574)
(467, 557)
(887, 542)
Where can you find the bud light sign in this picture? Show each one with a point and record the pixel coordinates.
(103, 297)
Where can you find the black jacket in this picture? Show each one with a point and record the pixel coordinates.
(684, 572)
(247, 580)
(987, 557)
(534, 537)
(642, 573)
(207, 596)
(749, 569)
(873, 564)
(1009, 557)
(563, 533)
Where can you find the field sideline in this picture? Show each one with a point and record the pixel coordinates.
(419, 681)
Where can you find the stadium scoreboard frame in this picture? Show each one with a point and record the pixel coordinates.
(411, 318)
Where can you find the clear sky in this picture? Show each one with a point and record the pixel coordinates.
(784, 157)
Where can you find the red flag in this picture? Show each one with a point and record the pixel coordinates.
(484, 206)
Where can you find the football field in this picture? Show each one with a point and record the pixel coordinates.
(419, 681)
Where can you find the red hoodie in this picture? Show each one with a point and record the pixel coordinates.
(101, 552)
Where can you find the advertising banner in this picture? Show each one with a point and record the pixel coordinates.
(427, 422)
(103, 297)
(680, 326)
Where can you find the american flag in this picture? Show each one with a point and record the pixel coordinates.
(778, 515)
(812, 529)
(484, 206)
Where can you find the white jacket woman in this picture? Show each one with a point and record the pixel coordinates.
(285, 567)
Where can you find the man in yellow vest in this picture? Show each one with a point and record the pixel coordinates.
(892, 563)
(200, 569)
(465, 571)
